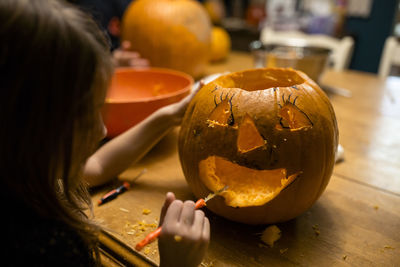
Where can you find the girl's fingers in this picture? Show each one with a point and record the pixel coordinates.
(173, 212)
(184, 102)
(201, 84)
(206, 230)
(198, 223)
(126, 56)
(187, 215)
(131, 55)
(169, 198)
(123, 57)
(205, 236)
(196, 88)
(125, 45)
(139, 62)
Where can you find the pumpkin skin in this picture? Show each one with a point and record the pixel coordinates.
(269, 134)
(172, 34)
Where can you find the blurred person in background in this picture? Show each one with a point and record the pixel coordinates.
(108, 14)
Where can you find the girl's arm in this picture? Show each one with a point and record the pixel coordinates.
(129, 147)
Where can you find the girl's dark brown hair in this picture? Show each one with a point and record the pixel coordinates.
(55, 67)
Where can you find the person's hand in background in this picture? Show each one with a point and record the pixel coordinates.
(123, 57)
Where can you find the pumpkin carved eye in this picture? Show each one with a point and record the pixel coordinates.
(222, 114)
(292, 117)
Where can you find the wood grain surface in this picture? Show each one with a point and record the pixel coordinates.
(356, 221)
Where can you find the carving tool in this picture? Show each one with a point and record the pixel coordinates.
(118, 191)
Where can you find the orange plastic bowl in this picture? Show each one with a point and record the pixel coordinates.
(136, 93)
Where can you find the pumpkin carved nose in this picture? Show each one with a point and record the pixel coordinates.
(248, 137)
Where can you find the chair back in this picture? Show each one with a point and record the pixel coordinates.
(390, 56)
(341, 49)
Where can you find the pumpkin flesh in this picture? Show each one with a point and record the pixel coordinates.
(246, 187)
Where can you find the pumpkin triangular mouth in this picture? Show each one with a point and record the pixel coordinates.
(246, 186)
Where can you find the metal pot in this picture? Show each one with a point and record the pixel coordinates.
(310, 60)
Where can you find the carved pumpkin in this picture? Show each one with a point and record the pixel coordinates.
(269, 134)
(172, 34)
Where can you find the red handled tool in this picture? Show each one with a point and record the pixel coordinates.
(118, 191)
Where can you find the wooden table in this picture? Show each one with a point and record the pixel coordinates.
(357, 217)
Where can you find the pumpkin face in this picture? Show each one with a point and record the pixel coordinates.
(269, 134)
(172, 34)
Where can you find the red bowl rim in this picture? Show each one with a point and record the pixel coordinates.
(153, 98)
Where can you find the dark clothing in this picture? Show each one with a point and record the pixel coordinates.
(34, 241)
(108, 13)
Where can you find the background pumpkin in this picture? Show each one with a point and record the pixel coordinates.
(170, 33)
(220, 44)
(269, 134)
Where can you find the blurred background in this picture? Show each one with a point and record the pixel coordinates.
(368, 22)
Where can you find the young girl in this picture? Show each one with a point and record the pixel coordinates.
(55, 68)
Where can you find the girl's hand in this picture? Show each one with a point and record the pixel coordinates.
(185, 233)
(124, 58)
(177, 110)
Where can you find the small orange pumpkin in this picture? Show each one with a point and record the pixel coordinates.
(172, 34)
(270, 135)
(220, 44)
